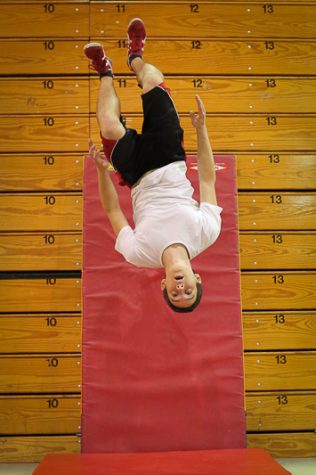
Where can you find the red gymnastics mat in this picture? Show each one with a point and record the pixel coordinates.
(155, 380)
(215, 462)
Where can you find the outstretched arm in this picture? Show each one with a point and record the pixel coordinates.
(205, 159)
(107, 191)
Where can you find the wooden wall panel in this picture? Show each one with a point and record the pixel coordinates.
(45, 414)
(235, 133)
(46, 95)
(44, 19)
(211, 19)
(40, 373)
(30, 333)
(41, 212)
(41, 172)
(43, 133)
(275, 371)
(295, 444)
(289, 330)
(222, 94)
(253, 65)
(282, 250)
(64, 171)
(34, 448)
(42, 56)
(276, 171)
(278, 290)
(277, 211)
(281, 411)
(55, 251)
(44, 294)
(253, 57)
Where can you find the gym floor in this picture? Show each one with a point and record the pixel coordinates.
(295, 466)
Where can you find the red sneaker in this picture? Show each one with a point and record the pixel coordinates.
(99, 62)
(136, 35)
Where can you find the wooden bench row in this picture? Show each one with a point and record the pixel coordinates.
(60, 333)
(176, 19)
(60, 413)
(232, 133)
(194, 56)
(34, 448)
(53, 251)
(280, 290)
(40, 373)
(40, 295)
(284, 445)
(57, 172)
(40, 414)
(50, 95)
(63, 211)
(264, 371)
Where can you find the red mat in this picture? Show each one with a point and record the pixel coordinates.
(216, 462)
(154, 380)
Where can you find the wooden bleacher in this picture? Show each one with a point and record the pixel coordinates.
(254, 66)
(288, 329)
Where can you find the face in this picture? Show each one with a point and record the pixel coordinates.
(181, 287)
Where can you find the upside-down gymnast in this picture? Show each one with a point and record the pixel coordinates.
(171, 228)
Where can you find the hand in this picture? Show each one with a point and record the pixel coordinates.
(198, 119)
(97, 156)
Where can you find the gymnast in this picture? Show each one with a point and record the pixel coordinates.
(170, 227)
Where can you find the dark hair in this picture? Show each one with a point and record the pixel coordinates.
(185, 309)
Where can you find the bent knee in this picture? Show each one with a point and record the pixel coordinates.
(112, 130)
(150, 84)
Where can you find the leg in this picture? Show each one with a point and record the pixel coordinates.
(108, 105)
(108, 111)
(147, 75)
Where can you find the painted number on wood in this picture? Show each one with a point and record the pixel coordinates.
(48, 84)
(268, 8)
(279, 318)
(48, 121)
(120, 7)
(272, 120)
(281, 359)
(52, 403)
(49, 45)
(278, 279)
(196, 44)
(274, 158)
(50, 200)
(51, 321)
(282, 400)
(49, 160)
(271, 82)
(49, 7)
(52, 362)
(194, 8)
(49, 239)
(270, 45)
(277, 238)
(197, 83)
(276, 199)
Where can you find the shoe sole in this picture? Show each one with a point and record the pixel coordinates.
(134, 19)
(91, 44)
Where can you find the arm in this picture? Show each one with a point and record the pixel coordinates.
(205, 160)
(107, 191)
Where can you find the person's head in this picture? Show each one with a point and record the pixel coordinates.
(182, 289)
